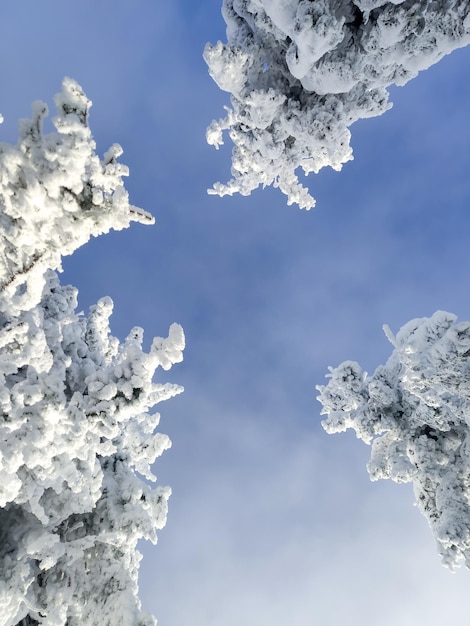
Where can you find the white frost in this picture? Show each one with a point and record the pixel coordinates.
(415, 412)
(75, 427)
(301, 72)
(70, 193)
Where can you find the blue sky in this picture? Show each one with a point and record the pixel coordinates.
(271, 521)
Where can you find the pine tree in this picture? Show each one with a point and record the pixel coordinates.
(77, 437)
(414, 412)
(300, 73)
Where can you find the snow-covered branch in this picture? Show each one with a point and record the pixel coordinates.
(77, 435)
(414, 411)
(301, 72)
(56, 193)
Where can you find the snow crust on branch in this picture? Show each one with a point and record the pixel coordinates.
(300, 72)
(77, 436)
(50, 184)
(414, 410)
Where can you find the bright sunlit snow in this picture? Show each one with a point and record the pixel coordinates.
(300, 73)
(75, 429)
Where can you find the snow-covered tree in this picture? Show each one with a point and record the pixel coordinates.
(300, 72)
(414, 411)
(76, 436)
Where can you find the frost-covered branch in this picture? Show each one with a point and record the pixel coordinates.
(415, 411)
(55, 194)
(77, 436)
(301, 72)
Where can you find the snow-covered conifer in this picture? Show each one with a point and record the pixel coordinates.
(414, 411)
(301, 72)
(76, 435)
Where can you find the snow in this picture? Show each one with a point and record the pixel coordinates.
(77, 430)
(63, 181)
(414, 412)
(313, 69)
